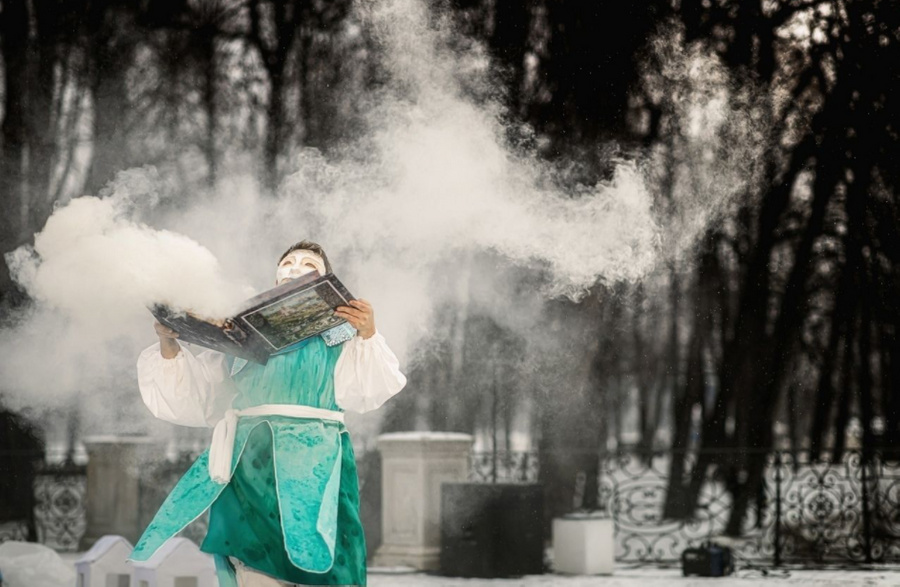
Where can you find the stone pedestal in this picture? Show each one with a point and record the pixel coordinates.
(414, 465)
(583, 545)
(112, 498)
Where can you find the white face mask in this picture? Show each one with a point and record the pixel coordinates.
(297, 263)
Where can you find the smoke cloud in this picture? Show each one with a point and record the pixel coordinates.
(427, 207)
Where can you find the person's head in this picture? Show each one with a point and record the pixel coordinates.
(300, 259)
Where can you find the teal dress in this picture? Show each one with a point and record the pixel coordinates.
(291, 508)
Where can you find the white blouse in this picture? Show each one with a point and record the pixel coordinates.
(195, 390)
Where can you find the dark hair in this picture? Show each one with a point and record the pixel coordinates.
(309, 246)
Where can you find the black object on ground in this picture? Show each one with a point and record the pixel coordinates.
(491, 530)
(709, 560)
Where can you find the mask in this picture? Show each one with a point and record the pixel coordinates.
(298, 263)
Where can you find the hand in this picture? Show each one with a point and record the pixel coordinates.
(360, 315)
(168, 347)
(164, 331)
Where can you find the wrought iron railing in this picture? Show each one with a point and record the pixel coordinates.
(60, 503)
(58, 515)
(59, 512)
(808, 511)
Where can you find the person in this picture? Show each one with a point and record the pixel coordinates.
(279, 480)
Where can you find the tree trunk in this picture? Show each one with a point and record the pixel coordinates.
(740, 361)
(14, 43)
(210, 63)
(891, 347)
(509, 42)
(825, 396)
(846, 394)
(110, 56)
(642, 371)
(758, 393)
(855, 206)
(307, 114)
(41, 120)
(275, 131)
(684, 398)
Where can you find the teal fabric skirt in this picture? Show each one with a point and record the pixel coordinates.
(291, 509)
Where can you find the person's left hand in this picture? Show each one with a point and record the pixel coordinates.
(360, 315)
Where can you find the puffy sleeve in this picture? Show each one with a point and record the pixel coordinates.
(187, 390)
(367, 374)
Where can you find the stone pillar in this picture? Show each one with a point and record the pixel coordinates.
(112, 498)
(414, 465)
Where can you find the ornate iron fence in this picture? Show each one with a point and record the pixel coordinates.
(58, 515)
(808, 511)
(59, 512)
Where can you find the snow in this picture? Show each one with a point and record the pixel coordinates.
(25, 564)
(653, 577)
(424, 435)
(631, 576)
(101, 547)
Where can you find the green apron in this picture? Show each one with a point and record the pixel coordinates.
(291, 509)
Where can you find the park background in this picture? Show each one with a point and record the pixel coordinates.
(723, 352)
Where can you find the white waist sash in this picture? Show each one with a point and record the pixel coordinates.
(221, 450)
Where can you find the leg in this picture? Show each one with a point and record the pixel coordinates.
(247, 577)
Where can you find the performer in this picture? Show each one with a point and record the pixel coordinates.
(279, 479)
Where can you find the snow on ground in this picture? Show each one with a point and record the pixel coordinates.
(638, 576)
(652, 577)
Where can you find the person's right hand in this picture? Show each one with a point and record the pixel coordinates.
(168, 347)
(164, 331)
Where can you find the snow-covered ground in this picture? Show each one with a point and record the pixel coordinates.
(652, 577)
(637, 576)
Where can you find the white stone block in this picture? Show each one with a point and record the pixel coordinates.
(105, 564)
(583, 545)
(414, 465)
